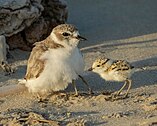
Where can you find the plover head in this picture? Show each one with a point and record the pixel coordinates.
(66, 34)
(100, 65)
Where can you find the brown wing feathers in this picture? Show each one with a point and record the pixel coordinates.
(35, 65)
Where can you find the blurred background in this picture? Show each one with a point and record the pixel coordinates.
(102, 20)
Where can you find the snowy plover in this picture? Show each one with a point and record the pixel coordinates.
(56, 61)
(114, 70)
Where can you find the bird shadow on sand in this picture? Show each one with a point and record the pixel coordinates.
(145, 77)
(148, 76)
(140, 78)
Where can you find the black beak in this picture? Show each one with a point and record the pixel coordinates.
(80, 38)
(90, 69)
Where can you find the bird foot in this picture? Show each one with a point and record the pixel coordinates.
(41, 99)
(91, 92)
(116, 96)
(76, 95)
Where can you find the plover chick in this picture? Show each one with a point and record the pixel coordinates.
(114, 70)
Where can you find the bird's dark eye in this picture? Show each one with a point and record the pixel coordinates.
(98, 65)
(65, 34)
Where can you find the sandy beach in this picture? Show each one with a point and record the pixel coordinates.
(116, 29)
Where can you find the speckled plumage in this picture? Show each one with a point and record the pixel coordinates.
(114, 70)
(35, 65)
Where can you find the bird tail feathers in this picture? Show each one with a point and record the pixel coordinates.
(22, 81)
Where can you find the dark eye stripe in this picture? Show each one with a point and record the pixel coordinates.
(105, 61)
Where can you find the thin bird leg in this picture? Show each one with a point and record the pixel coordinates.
(74, 84)
(120, 90)
(129, 83)
(84, 81)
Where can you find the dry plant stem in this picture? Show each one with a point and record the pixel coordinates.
(47, 121)
(54, 123)
(7, 68)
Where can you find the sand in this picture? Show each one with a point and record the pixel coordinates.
(117, 29)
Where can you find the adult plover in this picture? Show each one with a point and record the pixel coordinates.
(56, 61)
